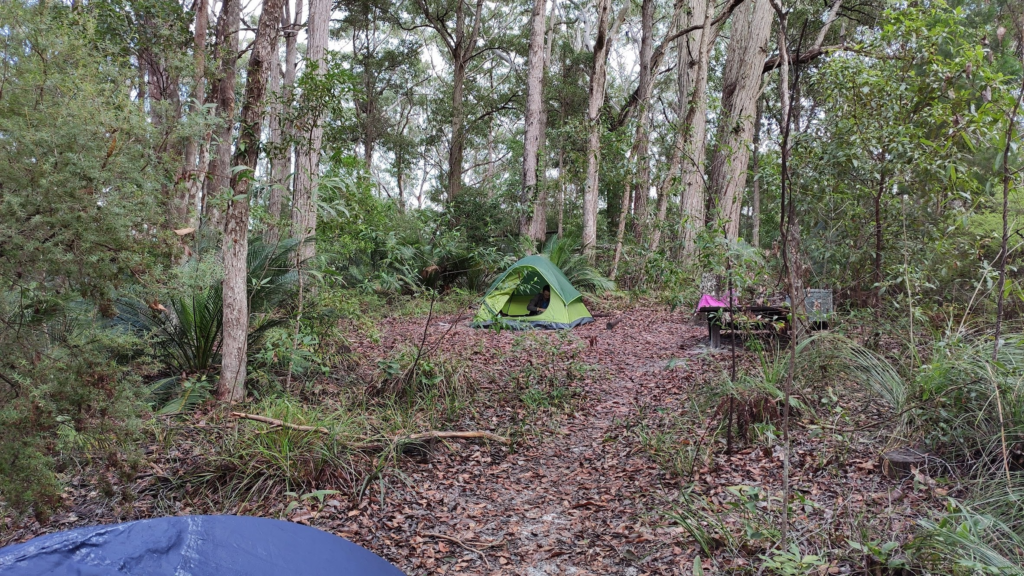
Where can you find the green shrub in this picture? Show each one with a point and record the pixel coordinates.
(65, 408)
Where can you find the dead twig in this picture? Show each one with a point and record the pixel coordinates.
(281, 423)
(468, 434)
(464, 545)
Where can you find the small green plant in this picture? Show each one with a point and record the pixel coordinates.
(185, 394)
(577, 268)
(309, 500)
(881, 553)
(186, 336)
(548, 377)
(793, 562)
(696, 515)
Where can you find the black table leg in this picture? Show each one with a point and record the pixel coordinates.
(715, 331)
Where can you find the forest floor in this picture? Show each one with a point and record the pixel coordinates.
(619, 464)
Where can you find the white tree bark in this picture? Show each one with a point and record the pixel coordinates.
(534, 113)
(195, 157)
(307, 169)
(234, 343)
(741, 85)
(598, 78)
(539, 222)
(278, 155)
(642, 183)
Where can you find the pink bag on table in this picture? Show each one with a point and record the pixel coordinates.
(710, 301)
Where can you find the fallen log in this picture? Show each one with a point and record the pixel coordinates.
(613, 323)
(367, 444)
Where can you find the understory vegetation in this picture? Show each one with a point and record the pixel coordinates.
(241, 250)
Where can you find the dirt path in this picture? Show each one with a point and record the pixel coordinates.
(576, 497)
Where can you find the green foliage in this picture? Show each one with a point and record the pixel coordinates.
(581, 274)
(257, 462)
(958, 400)
(792, 562)
(79, 211)
(549, 378)
(904, 164)
(186, 337)
(77, 204)
(406, 253)
(78, 393)
(985, 536)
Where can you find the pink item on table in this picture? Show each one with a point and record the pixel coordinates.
(708, 301)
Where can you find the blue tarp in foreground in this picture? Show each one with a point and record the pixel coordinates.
(193, 546)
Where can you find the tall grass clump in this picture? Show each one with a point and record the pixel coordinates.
(956, 401)
(984, 535)
(965, 406)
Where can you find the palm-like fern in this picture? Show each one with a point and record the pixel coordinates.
(585, 277)
(186, 334)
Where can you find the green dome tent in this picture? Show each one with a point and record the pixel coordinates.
(506, 299)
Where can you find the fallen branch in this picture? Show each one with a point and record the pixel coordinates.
(281, 423)
(469, 434)
(464, 545)
(370, 445)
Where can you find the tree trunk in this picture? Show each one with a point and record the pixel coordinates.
(534, 111)
(193, 165)
(741, 85)
(790, 225)
(231, 387)
(282, 163)
(878, 238)
(1007, 178)
(755, 169)
(278, 165)
(219, 181)
(693, 85)
(620, 232)
(598, 77)
(539, 222)
(462, 48)
(642, 183)
(307, 170)
(561, 192)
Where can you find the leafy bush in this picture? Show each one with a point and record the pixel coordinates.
(79, 391)
(958, 401)
(80, 211)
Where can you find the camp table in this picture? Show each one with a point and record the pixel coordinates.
(817, 301)
(754, 318)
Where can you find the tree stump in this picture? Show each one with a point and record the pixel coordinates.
(897, 464)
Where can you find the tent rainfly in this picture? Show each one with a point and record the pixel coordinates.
(506, 299)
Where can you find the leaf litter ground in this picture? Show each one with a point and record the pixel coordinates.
(581, 491)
